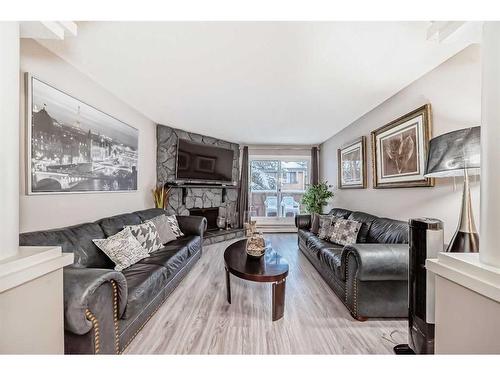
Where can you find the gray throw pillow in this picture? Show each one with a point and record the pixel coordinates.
(164, 229)
(315, 223)
(345, 232)
(122, 248)
(147, 235)
(172, 220)
(325, 224)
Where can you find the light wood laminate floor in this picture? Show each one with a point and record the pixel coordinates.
(196, 318)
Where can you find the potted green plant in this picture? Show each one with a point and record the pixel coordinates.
(316, 197)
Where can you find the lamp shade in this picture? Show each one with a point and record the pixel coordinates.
(451, 153)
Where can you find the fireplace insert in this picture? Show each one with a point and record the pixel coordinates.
(209, 213)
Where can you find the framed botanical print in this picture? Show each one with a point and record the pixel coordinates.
(399, 151)
(352, 165)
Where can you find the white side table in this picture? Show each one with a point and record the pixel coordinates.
(467, 304)
(31, 301)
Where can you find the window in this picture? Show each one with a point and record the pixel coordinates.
(277, 186)
(264, 175)
(290, 177)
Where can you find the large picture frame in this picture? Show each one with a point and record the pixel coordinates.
(399, 151)
(351, 159)
(73, 147)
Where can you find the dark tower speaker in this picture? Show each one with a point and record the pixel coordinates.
(426, 241)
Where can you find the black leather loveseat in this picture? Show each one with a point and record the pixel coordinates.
(371, 276)
(104, 309)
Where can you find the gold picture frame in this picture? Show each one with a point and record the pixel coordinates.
(399, 151)
(351, 159)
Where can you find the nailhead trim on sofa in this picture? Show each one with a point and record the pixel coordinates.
(353, 312)
(115, 316)
(95, 326)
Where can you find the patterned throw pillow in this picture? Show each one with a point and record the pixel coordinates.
(345, 232)
(172, 220)
(163, 227)
(325, 223)
(122, 248)
(315, 222)
(147, 235)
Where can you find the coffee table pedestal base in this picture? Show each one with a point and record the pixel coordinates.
(278, 296)
(278, 299)
(228, 286)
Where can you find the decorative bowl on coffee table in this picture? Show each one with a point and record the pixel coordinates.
(256, 246)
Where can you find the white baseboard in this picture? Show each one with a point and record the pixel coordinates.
(276, 229)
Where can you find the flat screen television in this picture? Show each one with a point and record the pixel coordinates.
(198, 162)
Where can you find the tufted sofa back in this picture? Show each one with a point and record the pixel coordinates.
(375, 229)
(384, 230)
(77, 239)
(340, 212)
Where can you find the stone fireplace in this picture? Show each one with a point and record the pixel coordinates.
(210, 214)
(184, 198)
(209, 201)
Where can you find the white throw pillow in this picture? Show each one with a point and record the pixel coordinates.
(122, 248)
(147, 235)
(172, 220)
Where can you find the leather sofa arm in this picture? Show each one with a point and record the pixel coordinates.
(377, 262)
(303, 221)
(83, 284)
(196, 225)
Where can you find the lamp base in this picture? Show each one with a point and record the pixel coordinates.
(465, 239)
(464, 242)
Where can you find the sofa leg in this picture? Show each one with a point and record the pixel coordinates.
(359, 318)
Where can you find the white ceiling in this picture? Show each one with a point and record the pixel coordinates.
(254, 82)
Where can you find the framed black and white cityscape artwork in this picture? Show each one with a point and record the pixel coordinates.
(399, 151)
(352, 165)
(75, 148)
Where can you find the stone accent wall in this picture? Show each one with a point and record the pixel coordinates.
(198, 197)
(223, 235)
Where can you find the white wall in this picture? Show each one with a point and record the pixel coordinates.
(490, 137)
(49, 211)
(9, 160)
(454, 91)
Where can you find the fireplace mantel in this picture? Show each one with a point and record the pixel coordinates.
(185, 188)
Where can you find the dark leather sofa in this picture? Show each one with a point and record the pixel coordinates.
(371, 276)
(104, 309)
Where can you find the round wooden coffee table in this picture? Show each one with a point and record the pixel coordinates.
(270, 268)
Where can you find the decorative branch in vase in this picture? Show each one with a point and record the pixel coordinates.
(160, 196)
